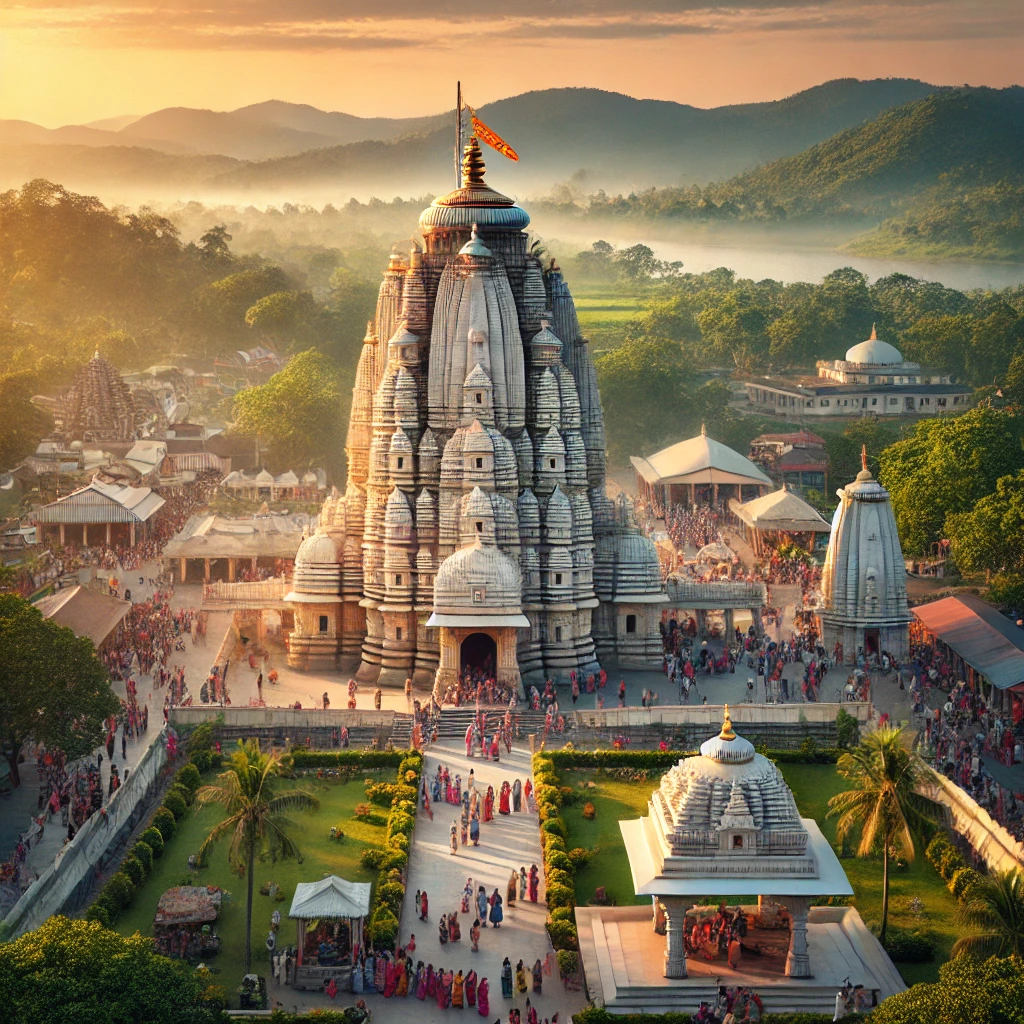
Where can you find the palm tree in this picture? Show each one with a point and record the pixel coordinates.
(884, 803)
(251, 794)
(994, 909)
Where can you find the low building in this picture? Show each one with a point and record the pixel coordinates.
(85, 612)
(985, 647)
(697, 470)
(777, 517)
(99, 513)
(874, 379)
(798, 460)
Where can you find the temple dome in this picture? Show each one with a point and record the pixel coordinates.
(319, 549)
(477, 580)
(318, 571)
(874, 352)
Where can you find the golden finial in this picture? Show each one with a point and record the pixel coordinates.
(704, 433)
(473, 165)
(864, 457)
(874, 336)
(727, 733)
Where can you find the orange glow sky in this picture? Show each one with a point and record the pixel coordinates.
(71, 61)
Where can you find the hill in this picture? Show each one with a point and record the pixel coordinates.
(619, 141)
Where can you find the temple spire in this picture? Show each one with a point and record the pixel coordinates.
(864, 457)
(727, 731)
(473, 165)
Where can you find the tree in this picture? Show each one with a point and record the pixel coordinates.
(884, 803)
(53, 687)
(296, 412)
(946, 466)
(288, 320)
(988, 992)
(994, 912)
(75, 970)
(638, 262)
(213, 244)
(251, 794)
(21, 423)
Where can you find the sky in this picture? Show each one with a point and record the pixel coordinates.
(74, 61)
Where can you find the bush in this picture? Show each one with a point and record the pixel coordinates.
(568, 795)
(907, 947)
(373, 857)
(395, 859)
(97, 912)
(143, 852)
(580, 857)
(568, 963)
(589, 811)
(560, 896)
(400, 823)
(950, 861)
(847, 730)
(557, 877)
(133, 868)
(383, 928)
(551, 842)
(562, 914)
(366, 812)
(399, 841)
(559, 860)
(368, 760)
(962, 881)
(203, 760)
(120, 891)
(188, 776)
(546, 812)
(563, 934)
(391, 894)
(184, 792)
(163, 822)
(556, 827)
(175, 803)
(154, 839)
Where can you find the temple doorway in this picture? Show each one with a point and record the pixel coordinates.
(871, 641)
(478, 653)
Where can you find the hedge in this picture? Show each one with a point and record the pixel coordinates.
(143, 852)
(909, 947)
(154, 839)
(163, 822)
(368, 760)
(133, 868)
(175, 803)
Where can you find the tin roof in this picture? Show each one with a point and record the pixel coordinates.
(98, 502)
(86, 612)
(985, 639)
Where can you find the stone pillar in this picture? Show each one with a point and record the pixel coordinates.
(206, 570)
(729, 627)
(675, 949)
(108, 535)
(131, 539)
(62, 535)
(231, 570)
(184, 570)
(798, 960)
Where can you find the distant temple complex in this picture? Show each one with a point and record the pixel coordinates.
(475, 529)
(873, 379)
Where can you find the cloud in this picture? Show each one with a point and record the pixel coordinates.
(305, 25)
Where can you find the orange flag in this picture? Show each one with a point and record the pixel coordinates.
(493, 139)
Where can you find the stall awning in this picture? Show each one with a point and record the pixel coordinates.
(989, 642)
(700, 460)
(781, 510)
(331, 897)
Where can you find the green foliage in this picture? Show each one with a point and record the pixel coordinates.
(946, 467)
(982, 992)
(559, 860)
(189, 777)
(186, 794)
(175, 803)
(847, 730)
(554, 826)
(72, 970)
(364, 759)
(98, 913)
(143, 852)
(962, 881)
(568, 963)
(295, 413)
(154, 839)
(383, 928)
(118, 893)
(563, 933)
(373, 857)
(133, 868)
(53, 688)
(599, 1015)
(562, 914)
(391, 894)
(992, 910)
(21, 423)
(579, 857)
(907, 947)
(164, 821)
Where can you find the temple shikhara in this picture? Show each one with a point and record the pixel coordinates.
(475, 528)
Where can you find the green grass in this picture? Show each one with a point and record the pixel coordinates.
(604, 313)
(812, 786)
(321, 856)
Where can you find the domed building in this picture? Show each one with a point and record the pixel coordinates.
(474, 529)
(864, 580)
(723, 825)
(874, 379)
(316, 601)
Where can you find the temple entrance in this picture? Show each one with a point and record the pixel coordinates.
(871, 642)
(478, 653)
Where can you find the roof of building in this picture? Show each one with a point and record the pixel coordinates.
(98, 502)
(985, 639)
(214, 536)
(781, 510)
(799, 437)
(811, 387)
(699, 460)
(796, 459)
(874, 351)
(86, 612)
(146, 456)
(332, 897)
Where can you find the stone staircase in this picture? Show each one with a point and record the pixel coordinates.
(401, 731)
(453, 722)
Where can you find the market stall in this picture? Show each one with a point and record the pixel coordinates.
(329, 917)
(183, 925)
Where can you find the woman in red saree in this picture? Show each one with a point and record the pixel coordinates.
(390, 978)
(470, 985)
(489, 804)
(503, 798)
(533, 883)
(495, 748)
(527, 793)
(423, 906)
(483, 998)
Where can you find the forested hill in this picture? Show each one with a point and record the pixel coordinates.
(301, 152)
(967, 137)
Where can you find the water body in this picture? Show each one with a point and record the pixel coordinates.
(796, 264)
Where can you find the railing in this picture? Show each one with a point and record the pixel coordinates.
(709, 716)
(683, 593)
(248, 594)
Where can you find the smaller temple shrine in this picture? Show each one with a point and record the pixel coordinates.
(725, 821)
(864, 581)
(98, 406)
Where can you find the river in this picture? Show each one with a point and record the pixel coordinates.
(796, 264)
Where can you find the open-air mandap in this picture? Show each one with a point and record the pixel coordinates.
(329, 917)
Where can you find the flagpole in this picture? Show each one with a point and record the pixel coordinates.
(458, 135)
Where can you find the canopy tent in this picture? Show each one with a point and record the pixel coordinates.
(717, 551)
(779, 512)
(330, 897)
(699, 461)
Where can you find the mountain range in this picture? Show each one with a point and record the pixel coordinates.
(300, 152)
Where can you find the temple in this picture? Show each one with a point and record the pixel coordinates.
(475, 529)
(98, 406)
(864, 580)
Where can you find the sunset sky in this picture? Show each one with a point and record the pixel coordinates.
(71, 61)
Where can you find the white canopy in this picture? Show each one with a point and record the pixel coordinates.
(781, 510)
(700, 460)
(331, 897)
(716, 551)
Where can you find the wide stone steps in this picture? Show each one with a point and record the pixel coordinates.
(453, 722)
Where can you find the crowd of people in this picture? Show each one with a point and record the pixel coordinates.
(478, 684)
(735, 1005)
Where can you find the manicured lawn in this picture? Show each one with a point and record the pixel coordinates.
(321, 857)
(812, 786)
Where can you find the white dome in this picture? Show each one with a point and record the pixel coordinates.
(478, 580)
(874, 352)
(319, 549)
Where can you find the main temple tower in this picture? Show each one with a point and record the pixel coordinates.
(477, 459)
